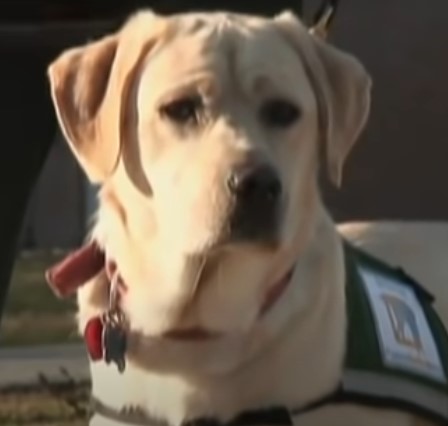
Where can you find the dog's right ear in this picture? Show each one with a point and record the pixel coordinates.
(90, 87)
(79, 80)
(342, 86)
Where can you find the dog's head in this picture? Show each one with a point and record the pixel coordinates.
(204, 131)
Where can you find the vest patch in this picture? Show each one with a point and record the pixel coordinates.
(405, 338)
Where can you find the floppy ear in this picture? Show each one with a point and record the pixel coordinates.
(89, 89)
(342, 87)
(79, 82)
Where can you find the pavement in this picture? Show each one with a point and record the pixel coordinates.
(22, 366)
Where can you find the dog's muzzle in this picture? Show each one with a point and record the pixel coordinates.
(257, 192)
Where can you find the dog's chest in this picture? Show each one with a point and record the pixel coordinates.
(160, 395)
(395, 359)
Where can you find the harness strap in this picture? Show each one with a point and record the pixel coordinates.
(379, 391)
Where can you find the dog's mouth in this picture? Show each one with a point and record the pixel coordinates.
(201, 271)
(82, 265)
(193, 333)
(106, 335)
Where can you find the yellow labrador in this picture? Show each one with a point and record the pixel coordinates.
(204, 131)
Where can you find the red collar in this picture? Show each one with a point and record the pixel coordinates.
(75, 270)
(85, 263)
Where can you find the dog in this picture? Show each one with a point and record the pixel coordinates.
(205, 132)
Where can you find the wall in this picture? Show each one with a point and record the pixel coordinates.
(399, 167)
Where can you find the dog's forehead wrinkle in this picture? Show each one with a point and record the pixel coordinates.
(277, 72)
(206, 26)
(220, 19)
(221, 22)
(232, 47)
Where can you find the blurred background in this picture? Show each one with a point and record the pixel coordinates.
(398, 170)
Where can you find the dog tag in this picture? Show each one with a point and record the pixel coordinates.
(114, 343)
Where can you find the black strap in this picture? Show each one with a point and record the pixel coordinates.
(278, 416)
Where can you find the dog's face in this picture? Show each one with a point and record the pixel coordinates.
(204, 129)
(216, 133)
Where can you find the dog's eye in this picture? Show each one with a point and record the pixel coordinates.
(183, 111)
(279, 113)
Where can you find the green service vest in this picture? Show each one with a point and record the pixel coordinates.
(397, 346)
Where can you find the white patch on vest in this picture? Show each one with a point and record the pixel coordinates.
(403, 332)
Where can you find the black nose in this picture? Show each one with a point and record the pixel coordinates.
(257, 192)
(255, 184)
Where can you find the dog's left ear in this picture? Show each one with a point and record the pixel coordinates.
(342, 87)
